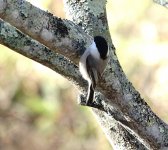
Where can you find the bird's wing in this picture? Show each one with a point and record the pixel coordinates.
(90, 65)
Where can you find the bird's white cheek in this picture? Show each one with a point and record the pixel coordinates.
(94, 52)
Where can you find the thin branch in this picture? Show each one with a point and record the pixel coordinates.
(162, 2)
(66, 38)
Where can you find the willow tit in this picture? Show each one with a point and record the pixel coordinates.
(92, 64)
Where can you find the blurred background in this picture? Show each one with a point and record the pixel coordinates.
(38, 108)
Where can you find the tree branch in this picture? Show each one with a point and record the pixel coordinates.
(162, 2)
(19, 42)
(122, 95)
(62, 36)
(124, 107)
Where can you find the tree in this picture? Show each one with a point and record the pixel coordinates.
(125, 117)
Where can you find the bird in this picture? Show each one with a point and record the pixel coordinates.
(92, 64)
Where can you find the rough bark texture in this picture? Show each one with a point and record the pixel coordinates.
(126, 119)
(23, 44)
(57, 34)
(162, 2)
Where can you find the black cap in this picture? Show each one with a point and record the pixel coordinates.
(102, 46)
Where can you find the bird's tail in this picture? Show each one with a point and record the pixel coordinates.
(90, 94)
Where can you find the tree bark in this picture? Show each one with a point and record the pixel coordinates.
(125, 117)
(162, 2)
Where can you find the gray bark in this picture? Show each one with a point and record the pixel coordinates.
(162, 2)
(124, 116)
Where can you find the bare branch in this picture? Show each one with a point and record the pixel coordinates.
(62, 36)
(130, 114)
(140, 120)
(19, 42)
(162, 2)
